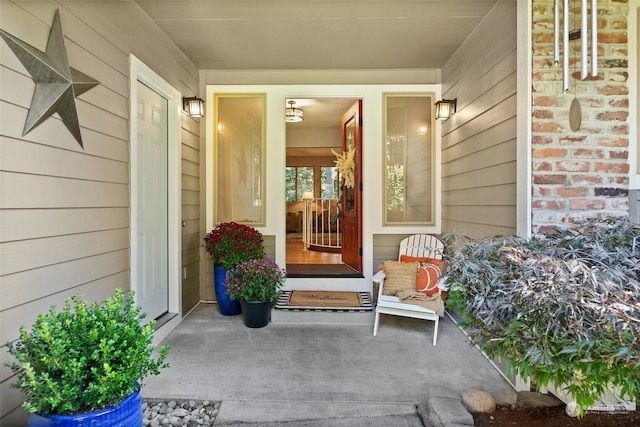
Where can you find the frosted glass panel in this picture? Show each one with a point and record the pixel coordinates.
(239, 158)
(408, 159)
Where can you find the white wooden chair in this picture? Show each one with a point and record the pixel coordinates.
(418, 245)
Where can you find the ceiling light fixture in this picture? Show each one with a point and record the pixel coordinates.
(445, 108)
(193, 106)
(293, 114)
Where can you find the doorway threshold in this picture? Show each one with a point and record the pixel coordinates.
(322, 271)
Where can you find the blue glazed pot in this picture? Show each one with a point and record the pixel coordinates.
(127, 413)
(256, 314)
(227, 306)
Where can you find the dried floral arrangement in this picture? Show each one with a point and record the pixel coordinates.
(346, 164)
(561, 308)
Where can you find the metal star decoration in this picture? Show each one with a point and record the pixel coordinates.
(57, 84)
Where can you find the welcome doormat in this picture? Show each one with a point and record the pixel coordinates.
(324, 300)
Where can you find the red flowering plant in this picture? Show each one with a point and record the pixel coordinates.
(231, 243)
(255, 280)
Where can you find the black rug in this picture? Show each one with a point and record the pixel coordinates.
(321, 270)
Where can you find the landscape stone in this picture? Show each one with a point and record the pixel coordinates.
(477, 400)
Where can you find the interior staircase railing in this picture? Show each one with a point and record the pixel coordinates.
(321, 224)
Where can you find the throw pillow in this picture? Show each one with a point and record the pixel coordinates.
(429, 272)
(407, 258)
(400, 276)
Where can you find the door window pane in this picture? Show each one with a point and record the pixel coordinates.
(408, 159)
(329, 183)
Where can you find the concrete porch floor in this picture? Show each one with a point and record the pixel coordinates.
(288, 372)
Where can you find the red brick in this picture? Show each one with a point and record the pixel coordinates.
(541, 140)
(543, 153)
(612, 37)
(618, 24)
(557, 205)
(614, 154)
(548, 101)
(613, 89)
(612, 167)
(571, 192)
(610, 141)
(541, 192)
(572, 140)
(543, 38)
(585, 153)
(545, 229)
(613, 115)
(619, 129)
(592, 102)
(586, 180)
(619, 180)
(573, 166)
(619, 103)
(583, 204)
(549, 179)
(619, 76)
(547, 127)
(542, 166)
(542, 114)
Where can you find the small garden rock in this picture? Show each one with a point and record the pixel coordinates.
(477, 400)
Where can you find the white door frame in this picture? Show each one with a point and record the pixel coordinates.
(140, 72)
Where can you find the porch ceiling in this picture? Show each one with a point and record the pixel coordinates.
(317, 35)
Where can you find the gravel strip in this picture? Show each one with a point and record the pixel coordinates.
(179, 413)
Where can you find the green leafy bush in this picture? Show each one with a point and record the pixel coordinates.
(562, 308)
(85, 357)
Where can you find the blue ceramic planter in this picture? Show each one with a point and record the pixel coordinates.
(127, 413)
(226, 305)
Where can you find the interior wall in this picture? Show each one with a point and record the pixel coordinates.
(64, 211)
(479, 141)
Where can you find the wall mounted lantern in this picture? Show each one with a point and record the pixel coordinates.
(293, 114)
(445, 108)
(193, 106)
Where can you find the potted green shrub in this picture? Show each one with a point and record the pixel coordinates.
(229, 244)
(84, 365)
(256, 284)
(563, 309)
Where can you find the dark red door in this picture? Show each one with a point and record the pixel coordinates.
(352, 189)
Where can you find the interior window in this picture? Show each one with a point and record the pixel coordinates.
(298, 180)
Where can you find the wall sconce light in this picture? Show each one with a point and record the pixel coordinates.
(193, 106)
(422, 130)
(445, 108)
(293, 114)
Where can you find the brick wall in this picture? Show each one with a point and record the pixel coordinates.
(585, 173)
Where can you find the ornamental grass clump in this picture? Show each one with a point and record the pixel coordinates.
(255, 280)
(561, 308)
(230, 243)
(85, 357)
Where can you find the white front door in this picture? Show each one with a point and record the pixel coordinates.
(152, 203)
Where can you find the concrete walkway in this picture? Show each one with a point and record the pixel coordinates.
(325, 375)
